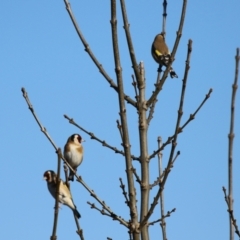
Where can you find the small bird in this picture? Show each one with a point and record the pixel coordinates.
(73, 153)
(161, 53)
(65, 196)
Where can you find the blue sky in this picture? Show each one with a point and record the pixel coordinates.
(40, 51)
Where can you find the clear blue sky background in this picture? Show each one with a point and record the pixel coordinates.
(40, 51)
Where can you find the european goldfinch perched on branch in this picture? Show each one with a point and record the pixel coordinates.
(65, 196)
(161, 54)
(73, 153)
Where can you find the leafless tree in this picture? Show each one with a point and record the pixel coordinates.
(139, 222)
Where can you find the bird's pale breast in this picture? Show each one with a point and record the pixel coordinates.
(74, 154)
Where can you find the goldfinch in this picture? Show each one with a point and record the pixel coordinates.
(161, 54)
(65, 196)
(73, 153)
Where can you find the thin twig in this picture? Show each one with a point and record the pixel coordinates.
(230, 145)
(79, 230)
(54, 236)
(122, 111)
(134, 83)
(150, 115)
(98, 209)
(163, 223)
(120, 129)
(42, 128)
(104, 205)
(129, 40)
(231, 213)
(156, 182)
(88, 50)
(166, 170)
(176, 156)
(103, 142)
(136, 176)
(122, 186)
(111, 215)
(163, 217)
(179, 32)
(79, 178)
(164, 77)
(180, 130)
(180, 110)
(152, 106)
(192, 116)
(164, 17)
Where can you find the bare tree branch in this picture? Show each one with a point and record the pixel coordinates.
(180, 110)
(179, 32)
(230, 148)
(166, 170)
(136, 176)
(111, 215)
(157, 181)
(134, 83)
(192, 116)
(42, 128)
(129, 40)
(152, 106)
(79, 230)
(88, 50)
(231, 213)
(123, 117)
(175, 158)
(98, 209)
(94, 195)
(164, 77)
(143, 128)
(162, 218)
(180, 130)
(120, 129)
(122, 186)
(164, 17)
(163, 223)
(150, 115)
(54, 231)
(103, 142)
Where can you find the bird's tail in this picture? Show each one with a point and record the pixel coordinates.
(76, 213)
(71, 176)
(173, 74)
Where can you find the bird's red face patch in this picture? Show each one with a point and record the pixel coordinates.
(79, 138)
(47, 176)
